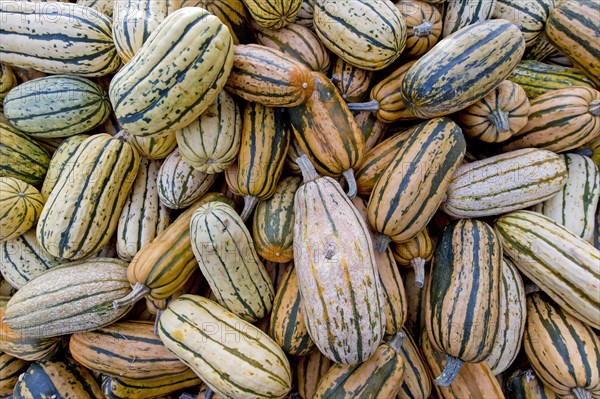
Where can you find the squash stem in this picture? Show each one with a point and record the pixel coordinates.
(309, 173)
(139, 291)
(381, 242)
(372, 105)
(586, 152)
(581, 393)
(453, 366)
(418, 264)
(594, 108)
(499, 119)
(208, 394)
(397, 341)
(250, 203)
(349, 176)
(423, 30)
(157, 320)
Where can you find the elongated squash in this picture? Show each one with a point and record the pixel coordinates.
(273, 14)
(232, 13)
(373, 130)
(415, 302)
(333, 254)
(124, 388)
(10, 370)
(175, 76)
(414, 253)
(154, 147)
(530, 17)
(21, 157)
(352, 82)
(21, 205)
(524, 384)
(423, 26)
(562, 264)
(309, 371)
(61, 162)
(416, 384)
(250, 365)
(459, 14)
(29, 349)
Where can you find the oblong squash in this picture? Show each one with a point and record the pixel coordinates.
(232, 13)
(61, 161)
(10, 370)
(309, 370)
(530, 17)
(125, 388)
(416, 384)
(459, 14)
(21, 205)
(21, 157)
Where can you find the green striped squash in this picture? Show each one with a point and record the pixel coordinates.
(576, 204)
(169, 83)
(524, 384)
(504, 183)
(541, 49)
(309, 371)
(57, 106)
(273, 223)
(563, 351)
(530, 17)
(416, 384)
(62, 161)
(21, 157)
(212, 142)
(225, 253)
(573, 29)
(57, 378)
(273, 14)
(23, 258)
(512, 319)
(241, 361)
(143, 216)
(414, 253)
(459, 14)
(135, 21)
(373, 130)
(436, 84)
(7, 80)
(105, 7)
(21, 205)
(125, 388)
(424, 26)
(333, 255)
(128, 349)
(265, 140)
(369, 34)
(83, 43)
(412, 186)
(352, 82)
(10, 370)
(538, 78)
(232, 13)
(287, 326)
(559, 262)
(154, 147)
(378, 377)
(79, 216)
(462, 302)
(179, 184)
(86, 290)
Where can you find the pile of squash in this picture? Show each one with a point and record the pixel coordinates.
(300, 199)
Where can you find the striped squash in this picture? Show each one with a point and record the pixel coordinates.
(179, 184)
(21, 205)
(25, 348)
(22, 259)
(412, 186)
(135, 20)
(62, 161)
(294, 151)
(463, 295)
(298, 42)
(162, 387)
(105, 7)
(154, 147)
(373, 130)
(541, 49)
(151, 96)
(233, 13)
(459, 14)
(127, 349)
(563, 351)
(369, 34)
(273, 224)
(327, 133)
(576, 204)
(305, 16)
(560, 120)
(352, 82)
(241, 362)
(414, 253)
(83, 46)
(538, 78)
(416, 384)
(415, 302)
(87, 290)
(162, 267)
(273, 14)
(524, 384)
(212, 142)
(562, 264)
(287, 326)
(57, 106)
(231, 179)
(76, 221)
(512, 319)
(309, 371)
(265, 140)
(7, 80)
(498, 115)
(379, 377)
(472, 381)
(423, 26)
(593, 150)
(57, 378)
(504, 183)
(143, 216)
(21, 157)
(225, 253)
(573, 29)
(436, 84)
(10, 370)
(530, 17)
(268, 76)
(333, 255)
